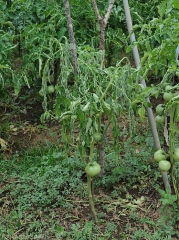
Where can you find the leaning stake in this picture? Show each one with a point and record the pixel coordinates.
(149, 110)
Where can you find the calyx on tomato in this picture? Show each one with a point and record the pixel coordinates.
(92, 169)
(164, 165)
(176, 154)
(159, 155)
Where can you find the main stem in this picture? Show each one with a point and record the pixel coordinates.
(89, 182)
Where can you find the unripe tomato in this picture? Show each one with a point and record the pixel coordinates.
(50, 89)
(176, 155)
(164, 165)
(41, 93)
(167, 96)
(168, 88)
(159, 155)
(159, 109)
(99, 114)
(159, 119)
(97, 137)
(92, 169)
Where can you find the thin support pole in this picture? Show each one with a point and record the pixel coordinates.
(149, 110)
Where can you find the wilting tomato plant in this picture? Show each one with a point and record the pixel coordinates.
(86, 111)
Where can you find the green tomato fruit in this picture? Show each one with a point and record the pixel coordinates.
(159, 155)
(159, 109)
(176, 155)
(168, 88)
(92, 169)
(159, 119)
(164, 165)
(177, 74)
(167, 96)
(98, 115)
(41, 93)
(50, 89)
(97, 137)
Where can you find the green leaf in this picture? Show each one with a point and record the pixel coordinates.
(141, 112)
(176, 4)
(162, 8)
(61, 32)
(88, 125)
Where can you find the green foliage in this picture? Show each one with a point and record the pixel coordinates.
(33, 31)
(43, 183)
(41, 172)
(158, 39)
(130, 164)
(30, 39)
(165, 226)
(97, 93)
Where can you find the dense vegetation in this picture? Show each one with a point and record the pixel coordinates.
(70, 139)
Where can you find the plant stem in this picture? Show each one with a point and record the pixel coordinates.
(106, 90)
(91, 199)
(91, 151)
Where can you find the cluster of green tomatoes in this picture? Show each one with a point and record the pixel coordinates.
(161, 157)
(167, 96)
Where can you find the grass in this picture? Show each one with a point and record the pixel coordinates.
(43, 195)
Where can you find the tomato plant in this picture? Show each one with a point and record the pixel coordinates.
(157, 47)
(171, 110)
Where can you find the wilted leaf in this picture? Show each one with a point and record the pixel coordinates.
(3, 144)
